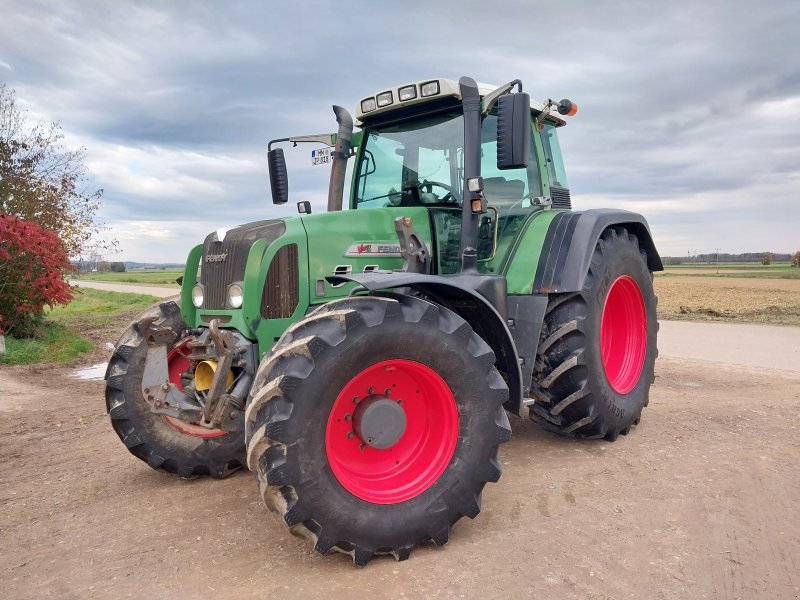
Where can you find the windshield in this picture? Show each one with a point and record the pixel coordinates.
(415, 163)
(421, 163)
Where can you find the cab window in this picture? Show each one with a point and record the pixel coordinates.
(552, 157)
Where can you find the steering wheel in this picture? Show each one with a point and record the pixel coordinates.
(427, 187)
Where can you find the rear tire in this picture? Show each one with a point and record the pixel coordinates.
(325, 481)
(597, 351)
(163, 443)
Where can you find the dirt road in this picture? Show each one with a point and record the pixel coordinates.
(700, 501)
(136, 288)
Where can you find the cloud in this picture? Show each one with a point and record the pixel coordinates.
(688, 110)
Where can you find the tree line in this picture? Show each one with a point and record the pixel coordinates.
(725, 257)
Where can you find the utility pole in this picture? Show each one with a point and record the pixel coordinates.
(717, 251)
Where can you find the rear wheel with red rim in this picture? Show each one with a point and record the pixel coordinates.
(597, 351)
(164, 443)
(623, 334)
(374, 424)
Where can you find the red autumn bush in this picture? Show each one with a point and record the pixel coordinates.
(32, 263)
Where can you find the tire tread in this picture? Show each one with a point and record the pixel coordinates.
(325, 328)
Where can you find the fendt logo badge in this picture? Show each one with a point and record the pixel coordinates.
(386, 249)
(214, 258)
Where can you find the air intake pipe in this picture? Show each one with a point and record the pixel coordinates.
(341, 153)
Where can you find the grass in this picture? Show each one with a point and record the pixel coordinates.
(64, 335)
(165, 278)
(99, 307)
(56, 343)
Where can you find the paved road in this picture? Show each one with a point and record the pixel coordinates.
(760, 346)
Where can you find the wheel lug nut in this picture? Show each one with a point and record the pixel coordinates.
(362, 446)
(371, 390)
(350, 435)
(355, 399)
(387, 391)
(348, 416)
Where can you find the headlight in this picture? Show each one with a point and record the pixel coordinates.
(235, 295)
(197, 295)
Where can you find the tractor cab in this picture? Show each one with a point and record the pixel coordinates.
(411, 153)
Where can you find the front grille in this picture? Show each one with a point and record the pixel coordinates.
(224, 262)
(560, 197)
(282, 287)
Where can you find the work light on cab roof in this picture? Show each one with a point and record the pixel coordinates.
(430, 90)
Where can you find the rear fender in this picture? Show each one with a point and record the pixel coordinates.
(570, 242)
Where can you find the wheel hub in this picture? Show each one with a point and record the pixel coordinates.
(379, 421)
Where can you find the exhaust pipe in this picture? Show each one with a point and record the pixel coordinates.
(341, 153)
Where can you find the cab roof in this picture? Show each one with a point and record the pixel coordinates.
(416, 93)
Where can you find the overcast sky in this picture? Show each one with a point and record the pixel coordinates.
(689, 111)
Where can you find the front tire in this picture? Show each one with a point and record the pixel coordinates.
(162, 442)
(326, 477)
(597, 351)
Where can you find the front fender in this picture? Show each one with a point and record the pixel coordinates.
(458, 293)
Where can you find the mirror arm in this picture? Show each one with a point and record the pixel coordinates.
(548, 106)
(491, 99)
(269, 144)
(329, 139)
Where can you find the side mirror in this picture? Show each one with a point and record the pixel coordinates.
(513, 131)
(278, 178)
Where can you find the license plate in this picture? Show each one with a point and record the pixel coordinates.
(321, 156)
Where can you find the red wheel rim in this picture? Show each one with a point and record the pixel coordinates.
(417, 460)
(623, 334)
(177, 363)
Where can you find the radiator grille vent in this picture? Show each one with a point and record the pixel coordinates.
(224, 262)
(282, 287)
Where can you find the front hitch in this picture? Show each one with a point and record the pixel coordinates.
(217, 401)
(219, 409)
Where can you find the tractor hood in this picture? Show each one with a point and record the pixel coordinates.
(225, 257)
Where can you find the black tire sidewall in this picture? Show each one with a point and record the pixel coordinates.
(618, 257)
(387, 526)
(159, 438)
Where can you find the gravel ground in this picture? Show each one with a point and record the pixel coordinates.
(699, 501)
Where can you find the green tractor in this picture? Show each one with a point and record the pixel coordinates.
(362, 362)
